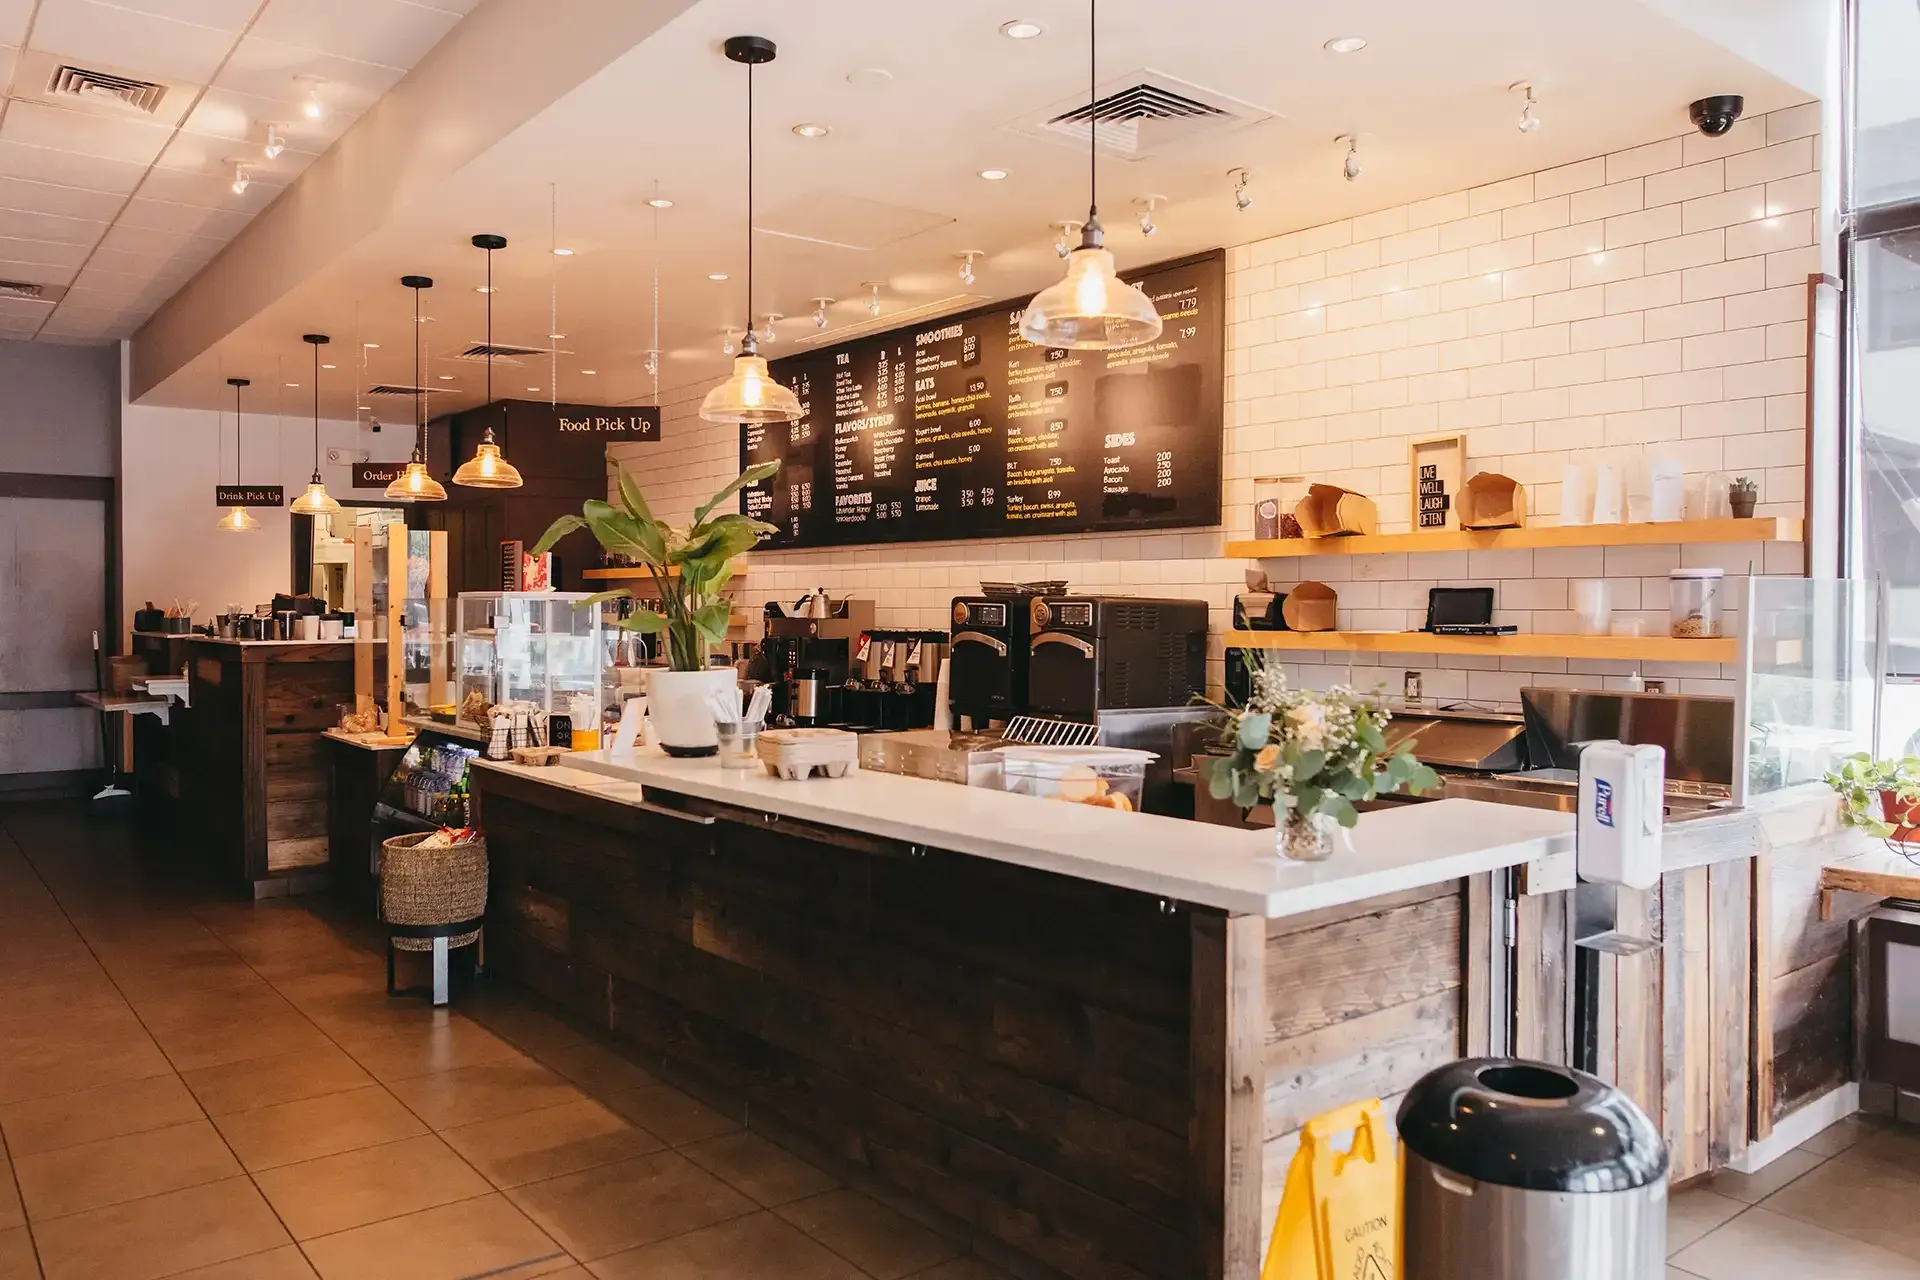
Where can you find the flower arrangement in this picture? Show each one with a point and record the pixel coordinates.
(1882, 797)
(1313, 755)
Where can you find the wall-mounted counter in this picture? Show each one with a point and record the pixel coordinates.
(253, 776)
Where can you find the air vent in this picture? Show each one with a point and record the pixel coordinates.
(1141, 115)
(384, 389)
(502, 352)
(21, 289)
(69, 81)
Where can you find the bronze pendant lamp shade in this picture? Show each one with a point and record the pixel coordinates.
(316, 501)
(237, 519)
(415, 484)
(487, 469)
(751, 394)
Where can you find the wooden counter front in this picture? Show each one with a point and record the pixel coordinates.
(253, 772)
(1091, 1078)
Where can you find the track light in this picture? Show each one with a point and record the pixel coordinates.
(1351, 168)
(727, 347)
(1147, 225)
(767, 331)
(315, 107)
(1242, 197)
(1529, 120)
(873, 303)
(241, 179)
(1069, 232)
(275, 143)
(820, 306)
(966, 265)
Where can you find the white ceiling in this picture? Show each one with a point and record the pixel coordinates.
(897, 174)
(120, 209)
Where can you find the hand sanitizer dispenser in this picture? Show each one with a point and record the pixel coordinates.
(1622, 811)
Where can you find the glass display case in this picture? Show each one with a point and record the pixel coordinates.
(526, 646)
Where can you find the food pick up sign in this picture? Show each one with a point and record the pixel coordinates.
(628, 424)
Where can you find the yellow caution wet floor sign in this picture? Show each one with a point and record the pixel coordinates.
(1340, 1212)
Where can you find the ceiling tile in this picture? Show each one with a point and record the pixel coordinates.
(67, 168)
(33, 272)
(243, 118)
(210, 190)
(26, 224)
(123, 261)
(172, 245)
(42, 251)
(37, 124)
(68, 202)
(9, 57)
(19, 311)
(195, 220)
(223, 15)
(14, 16)
(157, 48)
(266, 68)
(391, 33)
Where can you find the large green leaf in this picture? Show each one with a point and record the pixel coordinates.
(712, 620)
(752, 475)
(1308, 764)
(724, 539)
(557, 530)
(630, 494)
(645, 621)
(1342, 810)
(620, 532)
(601, 597)
(1254, 728)
(1308, 798)
(1218, 771)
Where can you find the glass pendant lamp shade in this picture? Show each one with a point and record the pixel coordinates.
(752, 394)
(316, 501)
(237, 520)
(416, 484)
(1093, 309)
(486, 469)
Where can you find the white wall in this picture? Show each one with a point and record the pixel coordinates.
(1628, 302)
(170, 461)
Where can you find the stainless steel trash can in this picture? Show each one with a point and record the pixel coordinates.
(1517, 1170)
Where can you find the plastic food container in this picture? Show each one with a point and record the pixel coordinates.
(1111, 777)
(1693, 602)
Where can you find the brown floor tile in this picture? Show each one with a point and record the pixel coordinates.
(82, 1069)
(337, 1193)
(600, 1211)
(755, 1247)
(368, 1015)
(596, 1068)
(484, 1237)
(1761, 1244)
(418, 1051)
(962, 1269)
(670, 1114)
(284, 1077)
(284, 1263)
(748, 1162)
(69, 1119)
(1752, 1188)
(1896, 1148)
(202, 1010)
(160, 1235)
(485, 1091)
(1843, 1134)
(16, 1255)
(1870, 1202)
(545, 1144)
(195, 1048)
(878, 1240)
(12, 1212)
(1691, 1214)
(267, 1137)
(95, 1174)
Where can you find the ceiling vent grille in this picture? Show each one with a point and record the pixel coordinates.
(1141, 115)
(502, 352)
(69, 81)
(389, 389)
(21, 289)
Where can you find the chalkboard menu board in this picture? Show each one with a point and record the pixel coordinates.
(960, 428)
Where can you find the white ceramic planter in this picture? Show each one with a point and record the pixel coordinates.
(682, 717)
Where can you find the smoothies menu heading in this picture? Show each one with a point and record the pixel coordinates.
(960, 428)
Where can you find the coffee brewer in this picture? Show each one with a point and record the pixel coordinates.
(807, 660)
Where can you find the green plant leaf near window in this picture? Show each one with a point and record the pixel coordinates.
(1864, 786)
(689, 565)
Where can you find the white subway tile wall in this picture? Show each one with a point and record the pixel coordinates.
(1651, 299)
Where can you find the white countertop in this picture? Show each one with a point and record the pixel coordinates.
(1234, 870)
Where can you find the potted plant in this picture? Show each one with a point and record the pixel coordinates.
(689, 565)
(1741, 495)
(1882, 797)
(1313, 755)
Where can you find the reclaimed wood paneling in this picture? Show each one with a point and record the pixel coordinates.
(1805, 997)
(1371, 961)
(1542, 977)
(1730, 1000)
(1226, 1138)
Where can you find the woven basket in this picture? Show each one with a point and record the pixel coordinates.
(432, 886)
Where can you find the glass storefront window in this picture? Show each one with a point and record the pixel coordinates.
(1885, 281)
(1886, 102)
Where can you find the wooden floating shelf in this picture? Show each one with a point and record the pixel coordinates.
(1766, 529)
(1524, 645)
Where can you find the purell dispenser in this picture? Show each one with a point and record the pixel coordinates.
(1622, 795)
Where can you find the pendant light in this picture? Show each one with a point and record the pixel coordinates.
(751, 394)
(1092, 309)
(238, 519)
(415, 484)
(316, 501)
(486, 469)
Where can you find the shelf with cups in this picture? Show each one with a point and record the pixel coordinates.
(1666, 532)
(1521, 645)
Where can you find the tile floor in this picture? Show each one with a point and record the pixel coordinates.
(192, 1087)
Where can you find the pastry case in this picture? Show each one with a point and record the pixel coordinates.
(526, 646)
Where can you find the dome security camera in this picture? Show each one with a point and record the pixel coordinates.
(1715, 116)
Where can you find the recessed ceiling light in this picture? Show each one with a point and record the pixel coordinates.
(563, 253)
(327, 366)
(812, 130)
(1021, 29)
(446, 377)
(590, 372)
(1346, 44)
(660, 202)
(289, 384)
(371, 346)
(716, 275)
(993, 175)
(556, 335)
(533, 388)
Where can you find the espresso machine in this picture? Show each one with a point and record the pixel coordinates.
(807, 659)
(987, 658)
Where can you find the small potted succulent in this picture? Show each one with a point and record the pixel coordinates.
(1741, 495)
(1882, 797)
(1313, 755)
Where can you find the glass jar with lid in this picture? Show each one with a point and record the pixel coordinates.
(1693, 602)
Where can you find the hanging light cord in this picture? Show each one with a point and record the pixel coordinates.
(316, 411)
(490, 327)
(553, 294)
(656, 292)
(749, 344)
(236, 437)
(419, 391)
(1093, 113)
